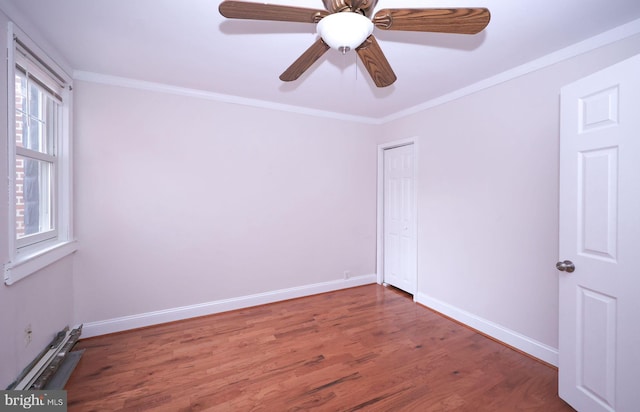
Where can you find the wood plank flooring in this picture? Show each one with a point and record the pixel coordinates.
(368, 348)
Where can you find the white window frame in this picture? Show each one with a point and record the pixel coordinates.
(27, 71)
(26, 258)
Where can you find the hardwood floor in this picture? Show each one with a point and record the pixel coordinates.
(367, 348)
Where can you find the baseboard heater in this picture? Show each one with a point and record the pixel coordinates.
(43, 368)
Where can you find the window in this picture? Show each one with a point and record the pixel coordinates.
(39, 159)
(36, 132)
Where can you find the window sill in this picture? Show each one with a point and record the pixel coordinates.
(26, 263)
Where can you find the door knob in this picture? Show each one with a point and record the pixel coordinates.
(566, 266)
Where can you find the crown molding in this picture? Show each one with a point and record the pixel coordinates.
(603, 39)
(207, 95)
(592, 43)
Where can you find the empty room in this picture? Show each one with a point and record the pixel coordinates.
(329, 205)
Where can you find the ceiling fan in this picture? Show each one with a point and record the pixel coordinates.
(347, 25)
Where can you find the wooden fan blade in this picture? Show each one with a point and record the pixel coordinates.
(305, 61)
(376, 63)
(459, 20)
(260, 11)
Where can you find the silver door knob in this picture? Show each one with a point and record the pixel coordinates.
(566, 266)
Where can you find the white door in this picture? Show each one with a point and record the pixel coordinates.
(599, 345)
(400, 251)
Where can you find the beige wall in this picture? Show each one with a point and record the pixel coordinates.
(183, 201)
(488, 196)
(44, 300)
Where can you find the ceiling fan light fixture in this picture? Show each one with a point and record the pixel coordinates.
(344, 31)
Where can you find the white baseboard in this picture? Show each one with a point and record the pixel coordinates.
(512, 338)
(120, 324)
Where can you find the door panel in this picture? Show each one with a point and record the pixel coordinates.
(597, 193)
(596, 343)
(599, 336)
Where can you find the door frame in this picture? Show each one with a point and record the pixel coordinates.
(380, 204)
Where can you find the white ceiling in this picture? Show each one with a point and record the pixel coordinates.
(187, 43)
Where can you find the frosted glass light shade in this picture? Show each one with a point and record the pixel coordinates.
(344, 31)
